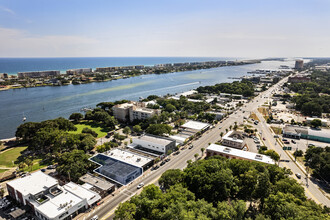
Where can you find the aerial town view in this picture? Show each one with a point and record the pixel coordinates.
(161, 110)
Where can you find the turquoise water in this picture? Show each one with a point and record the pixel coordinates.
(43, 103)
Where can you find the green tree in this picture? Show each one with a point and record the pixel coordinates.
(73, 164)
(202, 149)
(76, 117)
(125, 211)
(316, 123)
(89, 131)
(273, 154)
(159, 129)
(137, 129)
(127, 130)
(170, 178)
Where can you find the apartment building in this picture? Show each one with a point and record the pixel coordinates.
(133, 111)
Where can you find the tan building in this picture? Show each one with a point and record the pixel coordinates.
(233, 139)
(133, 111)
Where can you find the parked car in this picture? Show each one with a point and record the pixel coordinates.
(167, 159)
(95, 217)
(284, 139)
(162, 163)
(311, 145)
(298, 175)
(293, 141)
(191, 146)
(276, 136)
(154, 168)
(140, 186)
(43, 170)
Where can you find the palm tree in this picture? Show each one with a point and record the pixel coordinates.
(196, 155)
(202, 149)
(221, 134)
(230, 127)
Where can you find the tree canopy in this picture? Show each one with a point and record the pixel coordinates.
(218, 188)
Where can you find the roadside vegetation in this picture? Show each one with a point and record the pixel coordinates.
(218, 188)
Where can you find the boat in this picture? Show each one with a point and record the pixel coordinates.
(24, 118)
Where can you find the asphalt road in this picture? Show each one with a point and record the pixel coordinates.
(107, 209)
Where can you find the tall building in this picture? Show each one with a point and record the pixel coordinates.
(79, 71)
(299, 64)
(133, 111)
(37, 74)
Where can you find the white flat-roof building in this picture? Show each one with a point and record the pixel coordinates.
(233, 139)
(130, 157)
(195, 125)
(47, 199)
(232, 153)
(154, 143)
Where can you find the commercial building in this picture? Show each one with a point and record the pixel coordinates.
(49, 200)
(232, 153)
(37, 74)
(299, 79)
(154, 145)
(299, 64)
(217, 115)
(97, 184)
(116, 170)
(233, 139)
(133, 111)
(79, 71)
(298, 132)
(189, 129)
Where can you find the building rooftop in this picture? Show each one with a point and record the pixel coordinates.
(129, 157)
(154, 139)
(82, 192)
(232, 136)
(114, 169)
(240, 153)
(58, 204)
(196, 125)
(96, 181)
(33, 183)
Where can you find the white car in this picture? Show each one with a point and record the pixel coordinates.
(95, 217)
(140, 185)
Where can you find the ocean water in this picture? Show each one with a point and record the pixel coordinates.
(42, 103)
(14, 65)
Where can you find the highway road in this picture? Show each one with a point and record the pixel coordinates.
(107, 209)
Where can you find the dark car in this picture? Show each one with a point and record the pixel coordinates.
(167, 159)
(43, 170)
(191, 146)
(176, 153)
(162, 163)
(154, 168)
(293, 141)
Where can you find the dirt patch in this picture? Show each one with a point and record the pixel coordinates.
(276, 130)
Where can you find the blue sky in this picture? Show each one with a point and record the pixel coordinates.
(219, 28)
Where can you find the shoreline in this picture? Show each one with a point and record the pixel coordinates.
(124, 75)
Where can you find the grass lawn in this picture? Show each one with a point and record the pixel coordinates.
(7, 157)
(101, 131)
(36, 166)
(254, 116)
(3, 170)
(276, 130)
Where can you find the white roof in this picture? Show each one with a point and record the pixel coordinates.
(82, 192)
(129, 157)
(187, 93)
(154, 139)
(226, 137)
(33, 183)
(179, 139)
(196, 125)
(321, 119)
(240, 153)
(52, 208)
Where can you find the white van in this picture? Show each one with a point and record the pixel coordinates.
(95, 217)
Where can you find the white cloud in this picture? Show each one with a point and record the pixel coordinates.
(2, 8)
(19, 43)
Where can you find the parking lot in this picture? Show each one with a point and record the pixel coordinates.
(302, 144)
